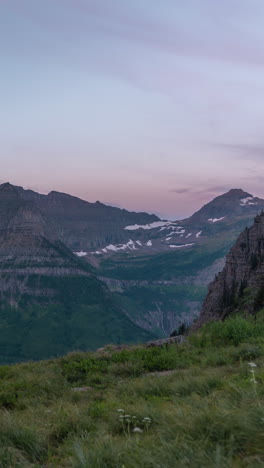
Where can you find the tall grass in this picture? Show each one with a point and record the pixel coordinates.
(205, 405)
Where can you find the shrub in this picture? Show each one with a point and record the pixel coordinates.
(127, 369)
(247, 352)
(234, 331)
(77, 370)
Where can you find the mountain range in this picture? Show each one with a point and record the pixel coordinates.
(78, 275)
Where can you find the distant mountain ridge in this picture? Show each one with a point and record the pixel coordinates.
(234, 207)
(77, 223)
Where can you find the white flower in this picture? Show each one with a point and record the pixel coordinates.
(252, 364)
(137, 429)
(127, 415)
(253, 380)
(120, 410)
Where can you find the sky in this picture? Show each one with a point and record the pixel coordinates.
(150, 105)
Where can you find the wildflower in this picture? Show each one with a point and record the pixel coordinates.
(137, 429)
(253, 380)
(120, 410)
(252, 364)
(127, 415)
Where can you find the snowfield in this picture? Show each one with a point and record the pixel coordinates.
(81, 254)
(247, 201)
(154, 225)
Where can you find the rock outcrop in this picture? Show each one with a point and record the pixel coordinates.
(240, 286)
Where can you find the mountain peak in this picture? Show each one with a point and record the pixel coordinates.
(233, 202)
(7, 187)
(29, 221)
(236, 193)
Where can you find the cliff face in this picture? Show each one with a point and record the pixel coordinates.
(240, 286)
(29, 249)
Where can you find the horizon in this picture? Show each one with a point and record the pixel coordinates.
(123, 207)
(152, 105)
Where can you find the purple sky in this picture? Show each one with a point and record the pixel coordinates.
(147, 104)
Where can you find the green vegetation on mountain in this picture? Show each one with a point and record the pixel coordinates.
(160, 308)
(198, 404)
(83, 315)
(165, 266)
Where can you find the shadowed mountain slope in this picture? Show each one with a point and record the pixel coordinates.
(240, 286)
(77, 223)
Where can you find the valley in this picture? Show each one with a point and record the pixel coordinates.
(56, 287)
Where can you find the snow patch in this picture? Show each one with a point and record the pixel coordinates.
(149, 243)
(112, 247)
(247, 201)
(115, 248)
(181, 246)
(81, 254)
(215, 220)
(154, 225)
(199, 233)
(188, 235)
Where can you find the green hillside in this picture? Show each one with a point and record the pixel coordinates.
(82, 315)
(196, 404)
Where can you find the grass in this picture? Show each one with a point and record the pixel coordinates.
(204, 407)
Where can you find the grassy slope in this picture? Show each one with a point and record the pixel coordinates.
(208, 412)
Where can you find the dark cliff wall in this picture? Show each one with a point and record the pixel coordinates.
(240, 286)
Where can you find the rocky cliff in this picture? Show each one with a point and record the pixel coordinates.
(240, 286)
